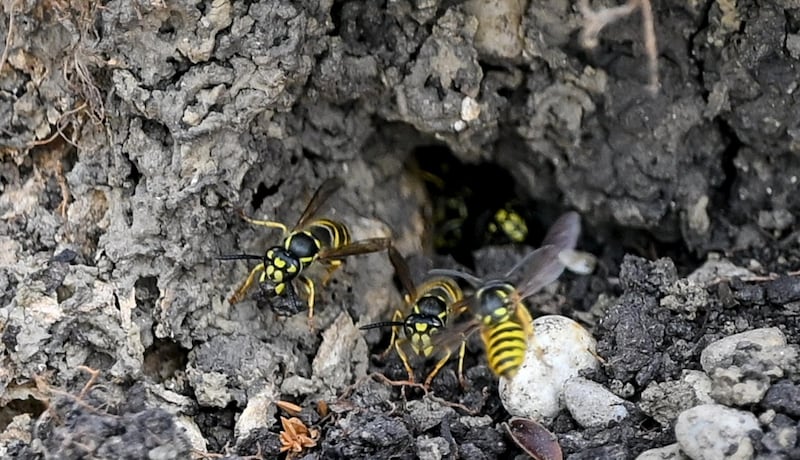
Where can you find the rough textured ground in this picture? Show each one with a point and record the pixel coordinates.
(132, 132)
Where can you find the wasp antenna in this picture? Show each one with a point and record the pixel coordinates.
(382, 324)
(239, 257)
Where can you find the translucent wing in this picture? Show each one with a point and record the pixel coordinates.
(454, 334)
(320, 197)
(538, 269)
(473, 280)
(356, 247)
(403, 272)
(564, 232)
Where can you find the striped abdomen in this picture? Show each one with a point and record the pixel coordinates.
(329, 233)
(505, 343)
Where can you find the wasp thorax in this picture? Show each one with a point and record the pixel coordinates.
(431, 305)
(495, 305)
(303, 245)
(281, 265)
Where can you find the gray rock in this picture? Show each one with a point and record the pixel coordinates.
(427, 413)
(432, 448)
(718, 353)
(591, 404)
(670, 452)
(784, 397)
(741, 366)
(716, 432)
(666, 400)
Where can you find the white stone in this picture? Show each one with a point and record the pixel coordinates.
(670, 452)
(559, 349)
(591, 404)
(717, 353)
(716, 432)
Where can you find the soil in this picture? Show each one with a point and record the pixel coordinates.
(133, 133)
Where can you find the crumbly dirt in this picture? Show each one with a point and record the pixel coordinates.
(132, 133)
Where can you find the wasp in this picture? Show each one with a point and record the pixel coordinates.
(428, 309)
(311, 239)
(497, 308)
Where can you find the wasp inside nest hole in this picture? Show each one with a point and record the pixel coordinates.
(473, 205)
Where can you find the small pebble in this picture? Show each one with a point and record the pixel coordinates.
(742, 366)
(719, 353)
(591, 404)
(432, 448)
(716, 432)
(560, 349)
(670, 452)
(664, 401)
(427, 413)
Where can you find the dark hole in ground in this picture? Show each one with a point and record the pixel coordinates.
(163, 359)
(146, 294)
(263, 192)
(217, 425)
(474, 205)
(15, 407)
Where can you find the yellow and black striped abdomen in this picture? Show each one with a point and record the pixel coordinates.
(329, 233)
(505, 343)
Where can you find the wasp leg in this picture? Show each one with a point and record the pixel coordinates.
(398, 316)
(265, 223)
(398, 345)
(437, 368)
(242, 290)
(331, 266)
(461, 352)
(309, 286)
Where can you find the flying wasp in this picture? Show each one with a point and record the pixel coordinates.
(427, 311)
(311, 239)
(497, 306)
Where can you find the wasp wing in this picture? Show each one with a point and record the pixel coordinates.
(564, 232)
(403, 272)
(320, 197)
(473, 280)
(452, 336)
(538, 269)
(356, 247)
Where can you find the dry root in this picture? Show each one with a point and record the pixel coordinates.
(595, 20)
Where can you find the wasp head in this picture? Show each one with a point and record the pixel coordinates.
(281, 266)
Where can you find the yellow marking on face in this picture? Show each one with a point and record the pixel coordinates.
(291, 269)
(277, 276)
(280, 288)
(270, 270)
(427, 351)
(270, 254)
(280, 263)
(306, 260)
(421, 328)
(501, 312)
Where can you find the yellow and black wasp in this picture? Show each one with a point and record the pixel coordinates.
(497, 306)
(428, 309)
(311, 239)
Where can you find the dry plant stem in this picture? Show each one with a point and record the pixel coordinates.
(595, 21)
(11, 4)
